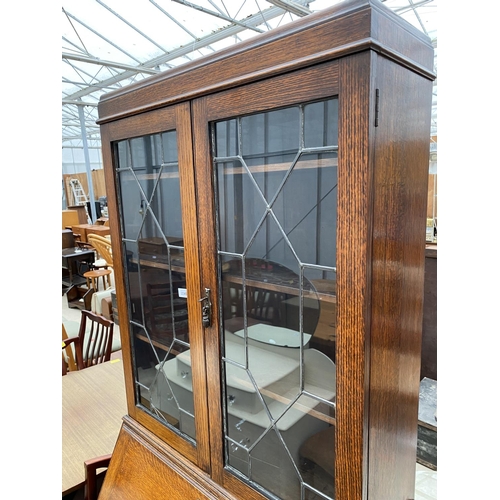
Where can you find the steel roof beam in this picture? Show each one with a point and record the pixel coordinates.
(102, 62)
(76, 124)
(79, 103)
(80, 71)
(172, 18)
(217, 14)
(412, 6)
(290, 6)
(149, 39)
(220, 10)
(74, 45)
(223, 33)
(100, 36)
(96, 86)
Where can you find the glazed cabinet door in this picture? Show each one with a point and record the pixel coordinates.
(266, 160)
(157, 275)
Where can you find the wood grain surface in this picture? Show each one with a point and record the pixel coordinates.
(93, 405)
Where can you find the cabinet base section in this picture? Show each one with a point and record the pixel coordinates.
(144, 468)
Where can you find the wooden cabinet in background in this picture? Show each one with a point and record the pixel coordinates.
(85, 229)
(69, 218)
(82, 213)
(271, 204)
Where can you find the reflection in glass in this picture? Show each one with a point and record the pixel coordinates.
(148, 179)
(276, 181)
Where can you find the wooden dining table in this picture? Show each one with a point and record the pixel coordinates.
(93, 404)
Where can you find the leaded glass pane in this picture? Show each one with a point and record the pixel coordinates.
(148, 180)
(276, 198)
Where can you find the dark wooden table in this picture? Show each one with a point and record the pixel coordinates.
(71, 256)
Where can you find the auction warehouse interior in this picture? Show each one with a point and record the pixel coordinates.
(249, 250)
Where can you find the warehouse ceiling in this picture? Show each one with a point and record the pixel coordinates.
(109, 44)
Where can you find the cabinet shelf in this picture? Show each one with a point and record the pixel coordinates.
(255, 169)
(158, 342)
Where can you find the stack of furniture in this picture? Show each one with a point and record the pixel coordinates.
(75, 262)
(87, 269)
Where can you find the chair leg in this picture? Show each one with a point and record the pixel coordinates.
(91, 467)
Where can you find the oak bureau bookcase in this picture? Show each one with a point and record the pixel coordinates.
(269, 263)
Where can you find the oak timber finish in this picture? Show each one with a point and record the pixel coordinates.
(381, 70)
(399, 213)
(317, 82)
(144, 467)
(353, 275)
(176, 117)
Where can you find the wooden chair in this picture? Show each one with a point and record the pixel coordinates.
(68, 360)
(99, 262)
(92, 482)
(264, 305)
(92, 345)
(103, 247)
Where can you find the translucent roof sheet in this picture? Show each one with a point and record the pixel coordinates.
(109, 44)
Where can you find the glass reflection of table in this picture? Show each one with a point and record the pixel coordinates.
(275, 335)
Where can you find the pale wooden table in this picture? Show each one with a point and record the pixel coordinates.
(93, 404)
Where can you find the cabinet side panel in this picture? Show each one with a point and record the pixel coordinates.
(400, 198)
(353, 271)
